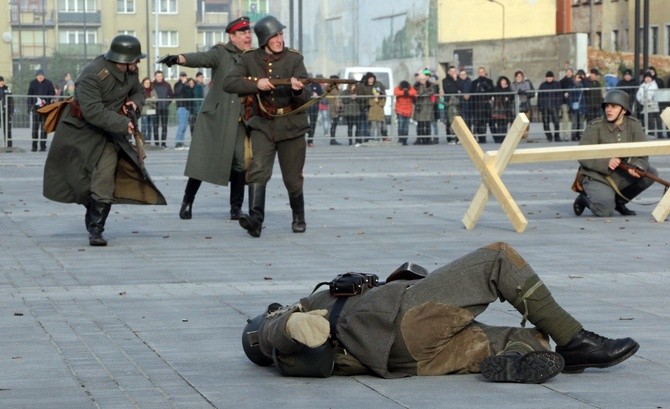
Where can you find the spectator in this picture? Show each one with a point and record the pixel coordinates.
(594, 95)
(629, 85)
(464, 84)
(451, 90)
(350, 112)
(423, 108)
(549, 101)
(68, 91)
(481, 89)
(646, 96)
(404, 100)
(324, 115)
(184, 97)
(7, 111)
(376, 119)
(334, 110)
(525, 93)
(148, 111)
(165, 94)
(41, 92)
(502, 112)
(315, 91)
(566, 83)
(577, 103)
(193, 111)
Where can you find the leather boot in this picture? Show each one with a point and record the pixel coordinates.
(186, 211)
(580, 204)
(532, 367)
(237, 180)
(298, 207)
(630, 192)
(590, 350)
(620, 206)
(99, 212)
(87, 217)
(253, 222)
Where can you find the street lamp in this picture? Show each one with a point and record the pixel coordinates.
(503, 28)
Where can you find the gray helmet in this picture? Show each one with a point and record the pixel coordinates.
(618, 97)
(125, 49)
(266, 28)
(250, 338)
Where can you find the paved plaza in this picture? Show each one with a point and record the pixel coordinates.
(154, 320)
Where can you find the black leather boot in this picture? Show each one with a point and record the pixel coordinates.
(87, 217)
(186, 211)
(620, 206)
(580, 204)
(533, 367)
(99, 212)
(298, 207)
(237, 180)
(629, 192)
(253, 222)
(590, 350)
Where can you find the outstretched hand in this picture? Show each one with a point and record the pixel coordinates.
(169, 60)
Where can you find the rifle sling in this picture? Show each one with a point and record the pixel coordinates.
(294, 111)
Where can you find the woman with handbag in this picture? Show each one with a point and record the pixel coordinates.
(502, 112)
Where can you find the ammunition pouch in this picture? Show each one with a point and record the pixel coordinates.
(316, 362)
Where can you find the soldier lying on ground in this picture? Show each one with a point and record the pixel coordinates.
(424, 324)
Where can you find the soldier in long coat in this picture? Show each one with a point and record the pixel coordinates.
(427, 326)
(216, 154)
(277, 123)
(91, 161)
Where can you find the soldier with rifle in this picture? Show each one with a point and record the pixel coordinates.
(91, 160)
(268, 79)
(603, 185)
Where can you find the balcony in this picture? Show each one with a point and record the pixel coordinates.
(212, 19)
(32, 18)
(78, 19)
(80, 50)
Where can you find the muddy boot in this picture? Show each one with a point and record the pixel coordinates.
(253, 222)
(99, 212)
(298, 207)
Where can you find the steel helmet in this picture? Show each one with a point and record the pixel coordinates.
(618, 97)
(266, 28)
(125, 49)
(250, 338)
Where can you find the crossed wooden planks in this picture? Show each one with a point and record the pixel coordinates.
(492, 164)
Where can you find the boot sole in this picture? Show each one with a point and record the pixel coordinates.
(534, 367)
(580, 368)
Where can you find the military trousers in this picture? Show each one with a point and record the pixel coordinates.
(436, 330)
(104, 173)
(291, 156)
(602, 197)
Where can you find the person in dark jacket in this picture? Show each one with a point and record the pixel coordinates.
(41, 92)
(91, 162)
(594, 95)
(426, 324)
(164, 93)
(7, 111)
(451, 93)
(629, 85)
(549, 100)
(481, 90)
(503, 109)
(277, 125)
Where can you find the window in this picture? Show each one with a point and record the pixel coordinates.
(653, 41)
(615, 40)
(77, 37)
(77, 5)
(125, 6)
(168, 39)
(164, 6)
(210, 38)
(667, 39)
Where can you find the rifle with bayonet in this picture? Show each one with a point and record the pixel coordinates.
(643, 173)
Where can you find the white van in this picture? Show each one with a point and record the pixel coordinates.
(383, 75)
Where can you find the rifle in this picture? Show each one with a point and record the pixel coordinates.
(139, 138)
(643, 173)
(329, 81)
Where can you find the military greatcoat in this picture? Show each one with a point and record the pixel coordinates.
(101, 90)
(218, 126)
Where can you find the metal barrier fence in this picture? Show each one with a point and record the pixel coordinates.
(488, 115)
